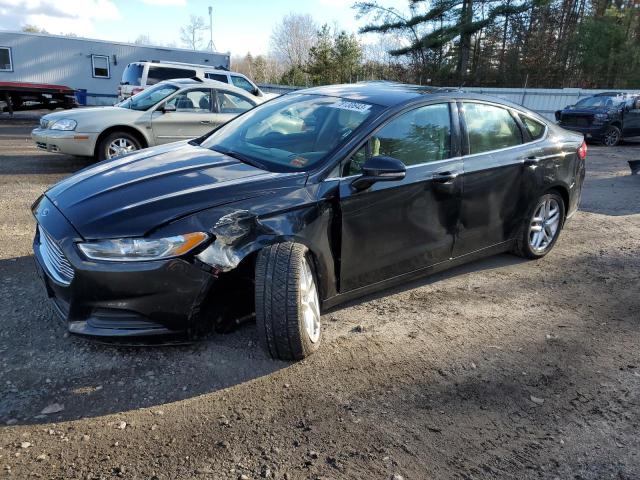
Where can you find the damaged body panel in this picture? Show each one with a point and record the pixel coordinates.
(179, 229)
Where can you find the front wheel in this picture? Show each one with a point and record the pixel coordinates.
(287, 301)
(612, 136)
(542, 228)
(117, 144)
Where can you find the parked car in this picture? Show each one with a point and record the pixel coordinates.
(139, 75)
(167, 112)
(605, 117)
(374, 185)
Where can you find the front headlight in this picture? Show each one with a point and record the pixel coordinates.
(64, 124)
(601, 117)
(141, 249)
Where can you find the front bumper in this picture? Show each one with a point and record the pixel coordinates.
(109, 299)
(595, 132)
(65, 141)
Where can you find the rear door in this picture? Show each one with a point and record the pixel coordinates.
(493, 199)
(394, 228)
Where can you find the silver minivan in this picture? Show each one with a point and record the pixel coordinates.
(139, 75)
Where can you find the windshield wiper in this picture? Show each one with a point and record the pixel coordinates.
(239, 156)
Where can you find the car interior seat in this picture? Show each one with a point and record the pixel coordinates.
(184, 103)
(204, 103)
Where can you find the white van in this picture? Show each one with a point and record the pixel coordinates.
(139, 75)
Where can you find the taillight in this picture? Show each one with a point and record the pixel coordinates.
(582, 151)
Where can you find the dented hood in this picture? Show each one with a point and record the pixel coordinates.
(130, 196)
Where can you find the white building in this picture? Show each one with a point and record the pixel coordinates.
(80, 63)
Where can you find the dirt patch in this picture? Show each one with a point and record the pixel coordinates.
(497, 369)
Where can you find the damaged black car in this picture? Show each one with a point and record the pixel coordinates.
(315, 198)
(606, 117)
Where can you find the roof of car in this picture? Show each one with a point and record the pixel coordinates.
(388, 94)
(378, 92)
(210, 83)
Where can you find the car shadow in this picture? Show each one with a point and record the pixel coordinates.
(43, 367)
(488, 263)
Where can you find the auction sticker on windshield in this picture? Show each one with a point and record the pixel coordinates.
(353, 106)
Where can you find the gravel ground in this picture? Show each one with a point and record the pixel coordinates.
(499, 369)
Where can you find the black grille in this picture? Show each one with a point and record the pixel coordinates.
(576, 121)
(57, 264)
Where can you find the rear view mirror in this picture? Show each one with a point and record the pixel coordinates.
(379, 169)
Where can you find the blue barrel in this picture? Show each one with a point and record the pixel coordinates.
(81, 96)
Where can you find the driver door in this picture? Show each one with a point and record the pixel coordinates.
(192, 117)
(397, 227)
(632, 119)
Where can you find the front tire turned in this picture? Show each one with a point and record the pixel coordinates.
(287, 301)
(116, 144)
(541, 228)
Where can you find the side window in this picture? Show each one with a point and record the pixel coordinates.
(490, 128)
(6, 64)
(231, 103)
(196, 101)
(100, 66)
(535, 128)
(242, 83)
(157, 74)
(420, 136)
(217, 76)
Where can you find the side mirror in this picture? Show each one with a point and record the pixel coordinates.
(168, 108)
(379, 169)
(257, 92)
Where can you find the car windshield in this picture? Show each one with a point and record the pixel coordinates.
(291, 133)
(601, 101)
(148, 97)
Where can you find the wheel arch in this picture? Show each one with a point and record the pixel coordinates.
(564, 194)
(616, 123)
(144, 142)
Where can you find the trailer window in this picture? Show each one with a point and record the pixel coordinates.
(5, 60)
(100, 65)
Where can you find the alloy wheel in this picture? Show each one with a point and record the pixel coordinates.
(120, 146)
(310, 303)
(612, 137)
(544, 225)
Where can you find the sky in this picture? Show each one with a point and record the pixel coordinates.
(239, 26)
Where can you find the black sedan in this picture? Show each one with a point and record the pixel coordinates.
(302, 203)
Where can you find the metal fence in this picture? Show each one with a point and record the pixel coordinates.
(545, 101)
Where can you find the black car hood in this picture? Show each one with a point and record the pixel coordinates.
(130, 196)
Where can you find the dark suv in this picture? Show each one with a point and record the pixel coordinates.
(606, 117)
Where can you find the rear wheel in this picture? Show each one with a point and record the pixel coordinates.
(612, 136)
(542, 227)
(287, 301)
(117, 144)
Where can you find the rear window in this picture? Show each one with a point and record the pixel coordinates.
(536, 129)
(132, 74)
(217, 76)
(158, 74)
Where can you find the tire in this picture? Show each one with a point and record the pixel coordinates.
(547, 215)
(122, 139)
(287, 303)
(612, 136)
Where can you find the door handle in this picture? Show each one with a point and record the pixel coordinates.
(444, 177)
(531, 161)
(205, 122)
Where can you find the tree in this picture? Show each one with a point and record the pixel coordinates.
(29, 28)
(292, 39)
(320, 64)
(142, 40)
(190, 34)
